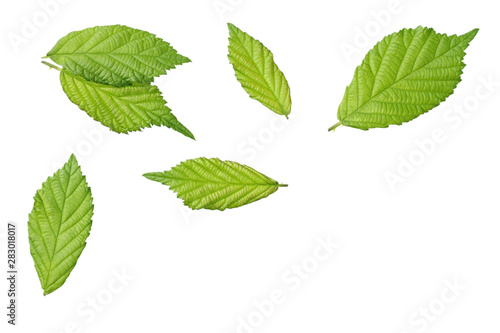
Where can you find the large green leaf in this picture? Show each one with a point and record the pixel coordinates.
(115, 55)
(214, 184)
(405, 75)
(257, 72)
(59, 224)
(122, 109)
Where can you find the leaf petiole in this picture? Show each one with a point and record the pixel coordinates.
(51, 65)
(334, 126)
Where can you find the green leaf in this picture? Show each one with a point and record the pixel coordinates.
(214, 184)
(115, 55)
(405, 75)
(122, 109)
(255, 69)
(59, 224)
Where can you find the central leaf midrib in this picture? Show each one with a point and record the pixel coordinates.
(49, 271)
(216, 182)
(103, 54)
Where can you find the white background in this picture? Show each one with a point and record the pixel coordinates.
(202, 271)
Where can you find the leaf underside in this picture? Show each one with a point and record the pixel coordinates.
(122, 109)
(115, 55)
(257, 72)
(405, 75)
(59, 224)
(210, 183)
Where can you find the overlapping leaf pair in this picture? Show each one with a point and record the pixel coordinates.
(107, 71)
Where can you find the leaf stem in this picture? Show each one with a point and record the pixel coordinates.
(282, 185)
(334, 126)
(51, 65)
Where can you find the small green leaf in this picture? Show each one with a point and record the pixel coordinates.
(405, 75)
(210, 183)
(122, 109)
(59, 224)
(255, 69)
(115, 55)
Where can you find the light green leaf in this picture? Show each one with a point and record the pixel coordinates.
(122, 109)
(405, 75)
(255, 69)
(214, 184)
(59, 224)
(115, 55)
